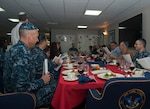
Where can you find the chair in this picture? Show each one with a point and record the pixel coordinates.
(18, 100)
(121, 93)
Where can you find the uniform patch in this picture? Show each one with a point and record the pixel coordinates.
(132, 99)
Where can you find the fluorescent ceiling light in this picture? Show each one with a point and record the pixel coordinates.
(13, 20)
(121, 28)
(92, 12)
(9, 34)
(1, 9)
(82, 27)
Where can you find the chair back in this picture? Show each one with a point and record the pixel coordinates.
(20, 100)
(1, 84)
(121, 93)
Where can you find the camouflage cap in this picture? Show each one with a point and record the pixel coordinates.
(28, 26)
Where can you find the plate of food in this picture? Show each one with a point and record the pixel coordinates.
(109, 75)
(67, 78)
(95, 72)
(75, 64)
(65, 72)
(95, 66)
(68, 66)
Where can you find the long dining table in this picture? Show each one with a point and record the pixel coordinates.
(70, 94)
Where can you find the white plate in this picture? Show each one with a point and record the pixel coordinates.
(75, 64)
(64, 65)
(102, 76)
(138, 73)
(95, 72)
(68, 67)
(65, 72)
(70, 79)
(94, 65)
(112, 64)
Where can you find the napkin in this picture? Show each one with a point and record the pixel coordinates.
(144, 62)
(101, 63)
(84, 79)
(147, 74)
(107, 50)
(127, 58)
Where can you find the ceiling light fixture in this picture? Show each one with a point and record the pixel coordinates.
(121, 28)
(8, 34)
(81, 27)
(92, 12)
(105, 33)
(1, 9)
(13, 20)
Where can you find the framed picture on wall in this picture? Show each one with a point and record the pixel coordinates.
(111, 36)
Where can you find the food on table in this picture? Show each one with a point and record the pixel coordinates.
(109, 74)
(95, 66)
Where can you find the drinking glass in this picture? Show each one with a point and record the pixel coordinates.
(132, 67)
(86, 67)
(80, 67)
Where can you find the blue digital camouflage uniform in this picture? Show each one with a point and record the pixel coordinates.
(19, 75)
(139, 56)
(39, 56)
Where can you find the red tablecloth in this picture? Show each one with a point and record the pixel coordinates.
(70, 94)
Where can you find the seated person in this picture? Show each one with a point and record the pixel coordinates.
(19, 69)
(55, 50)
(73, 48)
(90, 49)
(140, 47)
(124, 49)
(59, 48)
(47, 51)
(95, 48)
(39, 55)
(115, 50)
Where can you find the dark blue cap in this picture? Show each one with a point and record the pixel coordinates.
(28, 26)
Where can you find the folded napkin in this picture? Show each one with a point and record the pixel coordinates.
(84, 79)
(101, 63)
(147, 74)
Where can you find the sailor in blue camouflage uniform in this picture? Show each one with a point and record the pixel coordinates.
(140, 46)
(39, 55)
(19, 69)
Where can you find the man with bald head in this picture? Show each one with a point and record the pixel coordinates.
(140, 47)
(19, 69)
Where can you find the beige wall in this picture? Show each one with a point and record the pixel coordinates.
(71, 32)
(82, 38)
(146, 26)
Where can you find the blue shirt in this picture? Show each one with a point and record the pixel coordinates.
(139, 56)
(116, 52)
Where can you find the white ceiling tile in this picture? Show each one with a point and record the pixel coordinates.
(68, 13)
(99, 4)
